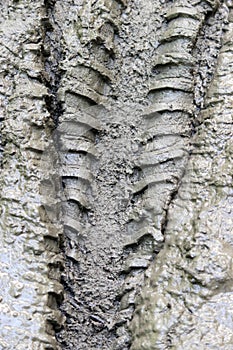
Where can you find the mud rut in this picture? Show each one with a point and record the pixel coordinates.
(116, 175)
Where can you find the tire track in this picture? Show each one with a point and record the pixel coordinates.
(181, 301)
(88, 43)
(169, 122)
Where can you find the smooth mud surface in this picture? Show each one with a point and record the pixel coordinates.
(116, 175)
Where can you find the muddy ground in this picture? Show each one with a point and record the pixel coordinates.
(116, 174)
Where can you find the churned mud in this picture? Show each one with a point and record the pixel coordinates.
(116, 175)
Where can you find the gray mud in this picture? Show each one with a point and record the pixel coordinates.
(116, 216)
(186, 301)
(27, 312)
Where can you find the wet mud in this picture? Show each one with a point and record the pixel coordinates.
(28, 312)
(186, 300)
(116, 175)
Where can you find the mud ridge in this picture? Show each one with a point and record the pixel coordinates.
(28, 237)
(206, 53)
